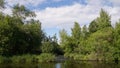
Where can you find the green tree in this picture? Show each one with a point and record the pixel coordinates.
(76, 31)
(4, 34)
(117, 40)
(101, 43)
(84, 32)
(50, 45)
(83, 41)
(47, 47)
(18, 36)
(20, 11)
(33, 35)
(75, 36)
(63, 38)
(66, 42)
(93, 27)
(2, 3)
(104, 20)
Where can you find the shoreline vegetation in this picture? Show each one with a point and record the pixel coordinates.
(22, 39)
(45, 57)
(27, 58)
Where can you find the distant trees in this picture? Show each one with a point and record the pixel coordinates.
(50, 45)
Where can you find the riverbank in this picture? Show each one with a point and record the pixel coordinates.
(44, 57)
(28, 58)
(66, 64)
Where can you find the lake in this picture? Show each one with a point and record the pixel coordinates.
(66, 64)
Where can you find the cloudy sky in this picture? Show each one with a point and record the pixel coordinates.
(59, 14)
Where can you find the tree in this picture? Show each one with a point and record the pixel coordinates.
(63, 37)
(81, 46)
(117, 40)
(18, 36)
(75, 36)
(101, 37)
(76, 31)
(50, 45)
(104, 20)
(84, 32)
(101, 43)
(93, 27)
(5, 34)
(20, 11)
(66, 42)
(47, 47)
(2, 3)
(33, 36)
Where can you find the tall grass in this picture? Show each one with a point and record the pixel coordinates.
(22, 58)
(44, 57)
(5, 60)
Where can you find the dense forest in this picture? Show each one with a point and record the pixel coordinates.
(21, 34)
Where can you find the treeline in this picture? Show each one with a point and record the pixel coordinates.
(21, 34)
(99, 41)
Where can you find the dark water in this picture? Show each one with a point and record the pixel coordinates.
(67, 64)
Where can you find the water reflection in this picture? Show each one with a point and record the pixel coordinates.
(67, 64)
(58, 65)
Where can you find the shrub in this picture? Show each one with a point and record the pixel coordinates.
(46, 57)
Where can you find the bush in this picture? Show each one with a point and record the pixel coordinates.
(1, 59)
(75, 56)
(23, 58)
(46, 57)
(5, 59)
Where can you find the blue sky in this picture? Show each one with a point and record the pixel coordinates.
(58, 14)
(57, 3)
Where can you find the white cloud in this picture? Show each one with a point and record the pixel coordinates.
(7, 11)
(25, 2)
(10, 3)
(65, 16)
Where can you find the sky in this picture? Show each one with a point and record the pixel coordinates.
(61, 14)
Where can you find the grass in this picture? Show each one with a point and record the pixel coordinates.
(44, 57)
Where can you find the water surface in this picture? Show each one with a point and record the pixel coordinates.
(67, 64)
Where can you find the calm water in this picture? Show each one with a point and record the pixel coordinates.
(67, 64)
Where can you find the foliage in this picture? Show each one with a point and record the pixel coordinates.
(117, 40)
(50, 45)
(28, 58)
(99, 41)
(20, 11)
(2, 3)
(21, 35)
(93, 27)
(46, 57)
